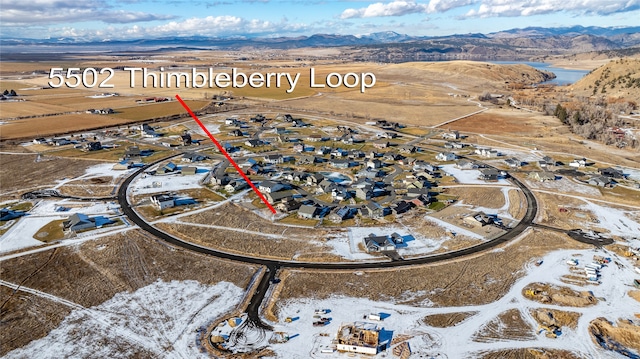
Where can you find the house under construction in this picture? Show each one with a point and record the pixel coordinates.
(358, 337)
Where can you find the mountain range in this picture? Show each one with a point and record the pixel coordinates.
(514, 44)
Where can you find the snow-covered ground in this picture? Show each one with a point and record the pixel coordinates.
(469, 176)
(457, 341)
(20, 235)
(145, 183)
(564, 185)
(615, 220)
(161, 319)
(67, 207)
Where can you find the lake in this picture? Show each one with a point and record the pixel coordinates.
(563, 76)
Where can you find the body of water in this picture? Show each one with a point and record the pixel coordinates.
(563, 76)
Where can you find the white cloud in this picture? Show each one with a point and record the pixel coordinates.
(394, 8)
(510, 8)
(45, 12)
(206, 26)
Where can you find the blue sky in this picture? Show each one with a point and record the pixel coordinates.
(134, 19)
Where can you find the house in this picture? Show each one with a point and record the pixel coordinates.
(487, 152)
(306, 160)
(186, 139)
(577, 163)
(40, 141)
(396, 238)
(7, 214)
(453, 135)
(339, 152)
(132, 152)
(314, 138)
(381, 144)
(79, 222)
(270, 186)
(478, 219)
(168, 168)
(373, 164)
(453, 144)
(546, 162)
(163, 201)
(189, 170)
(273, 159)
(254, 143)
(193, 157)
(340, 214)
(602, 181)
(236, 133)
(274, 197)
(218, 174)
(315, 179)
(371, 210)
(513, 162)
(60, 141)
(298, 147)
(611, 172)
(417, 192)
(324, 150)
(465, 164)
(288, 205)
(235, 185)
(489, 174)
(445, 156)
(340, 193)
(409, 161)
(93, 146)
(148, 131)
(407, 149)
(307, 211)
(373, 243)
(391, 156)
(339, 163)
(401, 207)
(542, 176)
(424, 166)
(359, 337)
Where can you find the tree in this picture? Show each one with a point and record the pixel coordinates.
(561, 113)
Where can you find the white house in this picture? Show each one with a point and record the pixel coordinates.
(446, 156)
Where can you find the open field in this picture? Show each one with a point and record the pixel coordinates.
(94, 272)
(21, 173)
(464, 282)
(488, 197)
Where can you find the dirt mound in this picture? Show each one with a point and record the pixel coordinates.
(447, 319)
(552, 294)
(620, 337)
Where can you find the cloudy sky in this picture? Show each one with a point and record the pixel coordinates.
(133, 19)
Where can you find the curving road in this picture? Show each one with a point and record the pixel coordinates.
(532, 208)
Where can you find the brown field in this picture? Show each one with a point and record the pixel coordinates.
(508, 325)
(247, 243)
(530, 353)
(20, 173)
(94, 272)
(464, 282)
(490, 197)
(148, 111)
(517, 201)
(447, 320)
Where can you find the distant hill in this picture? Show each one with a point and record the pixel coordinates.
(618, 79)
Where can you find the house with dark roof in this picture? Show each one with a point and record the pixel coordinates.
(193, 157)
(611, 172)
(340, 214)
(254, 143)
(163, 201)
(274, 197)
(371, 210)
(307, 211)
(402, 207)
(373, 244)
(271, 186)
(288, 205)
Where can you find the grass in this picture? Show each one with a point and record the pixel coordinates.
(436, 206)
(51, 231)
(294, 220)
